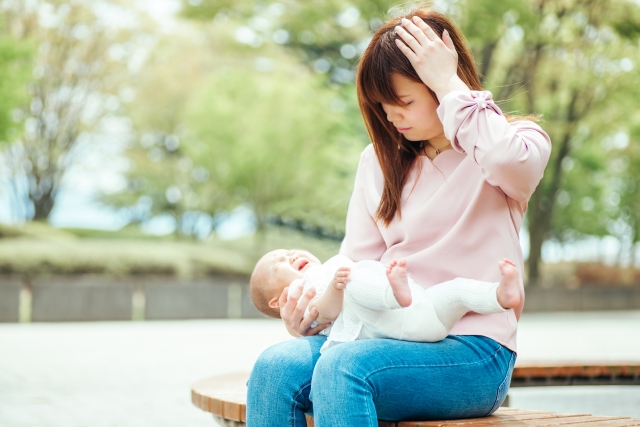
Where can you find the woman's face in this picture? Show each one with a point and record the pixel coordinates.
(417, 118)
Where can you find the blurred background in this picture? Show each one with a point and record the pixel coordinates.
(152, 150)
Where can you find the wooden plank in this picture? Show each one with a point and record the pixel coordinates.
(615, 423)
(226, 396)
(500, 417)
(576, 369)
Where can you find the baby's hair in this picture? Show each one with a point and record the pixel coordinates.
(260, 285)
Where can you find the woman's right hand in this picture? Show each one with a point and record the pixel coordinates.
(292, 310)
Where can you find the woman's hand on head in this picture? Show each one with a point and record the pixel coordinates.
(292, 310)
(434, 59)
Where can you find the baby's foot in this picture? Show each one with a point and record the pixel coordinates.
(341, 278)
(508, 291)
(397, 275)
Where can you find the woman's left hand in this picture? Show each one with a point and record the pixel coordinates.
(434, 59)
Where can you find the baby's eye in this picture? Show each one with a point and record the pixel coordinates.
(408, 103)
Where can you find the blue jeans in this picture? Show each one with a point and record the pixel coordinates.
(359, 382)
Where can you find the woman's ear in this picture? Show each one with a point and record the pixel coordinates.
(275, 302)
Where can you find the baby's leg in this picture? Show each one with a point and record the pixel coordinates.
(370, 288)
(455, 298)
(419, 322)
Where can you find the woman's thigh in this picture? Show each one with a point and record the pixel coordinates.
(278, 388)
(461, 376)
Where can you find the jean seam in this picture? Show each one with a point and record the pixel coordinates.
(493, 356)
(295, 400)
(501, 387)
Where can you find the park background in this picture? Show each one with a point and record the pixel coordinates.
(151, 151)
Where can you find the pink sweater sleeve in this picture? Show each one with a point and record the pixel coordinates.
(362, 238)
(512, 155)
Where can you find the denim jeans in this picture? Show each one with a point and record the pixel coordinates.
(358, 382)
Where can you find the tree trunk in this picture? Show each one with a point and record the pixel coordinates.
(43, 206)
(487, 56)
(543, 200)
(539, 214)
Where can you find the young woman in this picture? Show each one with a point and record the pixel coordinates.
(445, 185)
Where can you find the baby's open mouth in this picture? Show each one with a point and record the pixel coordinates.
(302, 264)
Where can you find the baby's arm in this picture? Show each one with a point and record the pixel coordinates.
(329, 304)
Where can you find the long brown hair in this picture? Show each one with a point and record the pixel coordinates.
(373, 84)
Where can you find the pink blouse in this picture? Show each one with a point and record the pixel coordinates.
(465, 211)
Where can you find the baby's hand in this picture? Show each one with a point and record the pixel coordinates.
(341, 278)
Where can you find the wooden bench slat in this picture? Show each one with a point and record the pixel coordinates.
(606, 370)
(493, 420)
(499, 418)
(225, 396)
(612, 423)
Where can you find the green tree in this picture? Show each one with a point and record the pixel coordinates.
(273, 141)
(255, 128)
(573, 62)
(15, 72)
(79, 72)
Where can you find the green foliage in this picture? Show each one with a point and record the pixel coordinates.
(33, 257)
(79, 68)
(273, 141)
(42, 250)
(16, 62)
(326, 35)
(264, 143)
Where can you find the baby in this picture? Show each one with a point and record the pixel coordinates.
(379, 301)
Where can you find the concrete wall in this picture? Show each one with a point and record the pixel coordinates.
(87, 298)
(80, 298)
(10, 287)
(581, 299)
(171, 298)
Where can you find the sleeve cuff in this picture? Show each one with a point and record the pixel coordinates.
(455, 109)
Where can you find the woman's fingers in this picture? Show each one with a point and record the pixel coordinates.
(304, 301)
(446, 38)
(416, 31)
(409, 39)
(405, 49)
(283, 297)
(317, 329)
(305, 324)
(425, 29)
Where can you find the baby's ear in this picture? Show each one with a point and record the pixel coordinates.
(274, 302)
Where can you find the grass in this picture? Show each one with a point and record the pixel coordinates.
(37, 249)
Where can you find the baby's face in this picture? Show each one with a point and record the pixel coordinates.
(286, 265)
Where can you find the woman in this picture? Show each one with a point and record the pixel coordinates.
(445, 185)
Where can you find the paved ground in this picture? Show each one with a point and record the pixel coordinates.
(134, 374)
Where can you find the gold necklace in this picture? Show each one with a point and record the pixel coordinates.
(438, 150)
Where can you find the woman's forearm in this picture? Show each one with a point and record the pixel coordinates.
(512, 156)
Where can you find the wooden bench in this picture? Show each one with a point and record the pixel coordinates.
(225, 397)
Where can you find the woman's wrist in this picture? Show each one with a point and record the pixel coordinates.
(454, 84)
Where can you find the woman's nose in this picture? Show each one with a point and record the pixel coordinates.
(392, 114)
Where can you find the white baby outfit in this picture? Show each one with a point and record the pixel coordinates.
(370, 309)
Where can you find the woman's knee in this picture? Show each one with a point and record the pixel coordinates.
(342, 367)
(286, 361)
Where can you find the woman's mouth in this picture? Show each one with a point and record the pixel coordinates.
(403, 130)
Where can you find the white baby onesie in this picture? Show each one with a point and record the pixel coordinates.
(370, 309)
